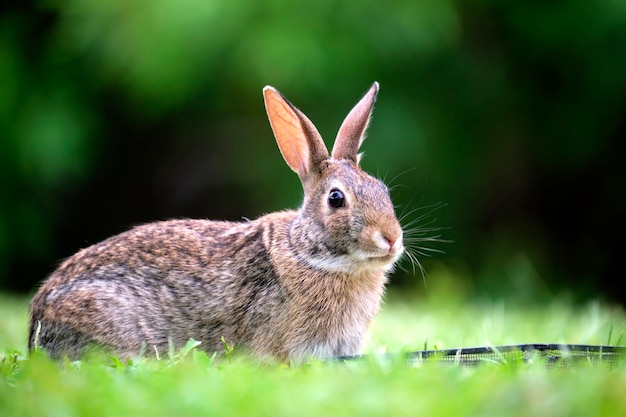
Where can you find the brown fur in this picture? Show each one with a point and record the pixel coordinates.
(289, 285)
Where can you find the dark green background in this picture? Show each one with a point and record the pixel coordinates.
(513, 113)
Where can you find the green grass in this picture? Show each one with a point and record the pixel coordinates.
(192, 383)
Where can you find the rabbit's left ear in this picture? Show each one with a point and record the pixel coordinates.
(352, 131)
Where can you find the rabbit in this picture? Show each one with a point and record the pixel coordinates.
(289, 286)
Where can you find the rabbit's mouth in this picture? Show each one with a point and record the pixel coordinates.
(384, 259)
(388, 258)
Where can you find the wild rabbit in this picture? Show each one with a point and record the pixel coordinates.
(290, 285)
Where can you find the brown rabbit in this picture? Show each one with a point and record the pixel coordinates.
(290, 285)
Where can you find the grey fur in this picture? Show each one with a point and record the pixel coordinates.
(290, 285)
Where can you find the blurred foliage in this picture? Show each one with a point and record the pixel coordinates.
(513, 113)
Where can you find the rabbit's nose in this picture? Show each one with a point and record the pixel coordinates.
(393, 239)
(390, 241)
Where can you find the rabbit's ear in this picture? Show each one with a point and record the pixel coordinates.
(299, 141)
(352, 131)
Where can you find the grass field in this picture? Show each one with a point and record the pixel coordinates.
(192, 383)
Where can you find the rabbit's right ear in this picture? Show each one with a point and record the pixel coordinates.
(299, 141)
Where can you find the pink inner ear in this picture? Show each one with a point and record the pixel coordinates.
(288, 131)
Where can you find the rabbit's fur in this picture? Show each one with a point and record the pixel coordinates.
(290, 285)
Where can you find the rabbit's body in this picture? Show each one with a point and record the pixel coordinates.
(149, 285)
(289, 285)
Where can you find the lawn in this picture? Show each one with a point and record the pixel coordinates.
(192, 383)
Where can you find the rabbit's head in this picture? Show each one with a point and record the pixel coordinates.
(347, 222)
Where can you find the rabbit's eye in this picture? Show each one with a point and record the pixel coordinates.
(336, 199)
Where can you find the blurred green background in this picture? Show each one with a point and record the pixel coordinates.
(513, 113)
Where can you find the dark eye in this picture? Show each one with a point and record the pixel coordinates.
(336, 199)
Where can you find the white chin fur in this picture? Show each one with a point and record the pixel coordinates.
(357, 262)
